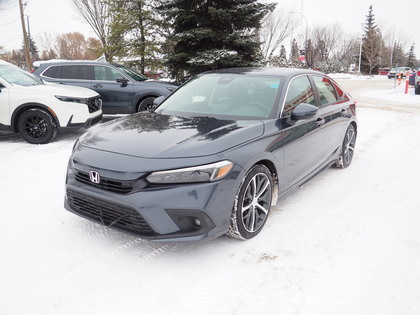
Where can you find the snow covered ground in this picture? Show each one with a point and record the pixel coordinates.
(346, 243)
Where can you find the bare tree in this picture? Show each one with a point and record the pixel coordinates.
(394, 45)
(324, 39)
(347, 51)
(276, 27)
(74, 46)
(96, 13)
(69, 46)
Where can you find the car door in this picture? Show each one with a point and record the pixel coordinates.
(76, 74)
(4, 106)
(116, 90)
(303, 140)
(333, 108)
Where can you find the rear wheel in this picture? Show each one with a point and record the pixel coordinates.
(252, 203)
(36, 126)
(347, 149)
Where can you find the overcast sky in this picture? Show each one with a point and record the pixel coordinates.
(55, 17)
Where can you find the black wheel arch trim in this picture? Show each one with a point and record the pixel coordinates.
(24, 107)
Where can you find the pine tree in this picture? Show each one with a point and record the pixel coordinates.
(136, 28)
(371, 44)
(411, 57)
(213, 34)
(294, 53)
(33, 50)
(282, 53)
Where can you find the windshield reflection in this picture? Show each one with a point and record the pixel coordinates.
(16, 76)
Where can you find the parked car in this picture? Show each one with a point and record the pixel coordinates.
(38, 111)
(395, 72)
(417, 82)
(383, 71)
(214, 156)
(123, 90)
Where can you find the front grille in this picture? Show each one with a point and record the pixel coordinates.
(119, 187)
(94, 104)
(108, 213)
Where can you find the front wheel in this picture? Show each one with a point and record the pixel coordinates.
(146, 104)
(252, 203)
(347, 149)
(36, 126)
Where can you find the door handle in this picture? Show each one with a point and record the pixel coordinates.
(320, 121)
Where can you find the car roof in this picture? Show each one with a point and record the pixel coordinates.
(63, 62)
(269, 71)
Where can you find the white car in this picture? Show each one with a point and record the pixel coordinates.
(38, 111)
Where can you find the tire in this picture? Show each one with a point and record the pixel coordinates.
(252, 204)
(417, 90)
(347, 149)
(36, 126)
(146, 104)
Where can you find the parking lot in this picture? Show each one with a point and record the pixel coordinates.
(346, 243)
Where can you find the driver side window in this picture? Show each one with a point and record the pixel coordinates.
(299, 91)
(103, 73)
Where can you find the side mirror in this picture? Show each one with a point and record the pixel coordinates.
(304, 111)
(123, 81)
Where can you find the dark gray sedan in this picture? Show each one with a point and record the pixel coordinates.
(214, 156)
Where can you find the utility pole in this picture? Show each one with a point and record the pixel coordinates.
(25, 37)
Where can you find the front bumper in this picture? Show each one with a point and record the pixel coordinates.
(178, 212)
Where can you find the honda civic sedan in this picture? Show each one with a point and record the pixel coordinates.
(213, 157)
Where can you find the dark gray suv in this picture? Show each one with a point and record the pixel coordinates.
(123, 90)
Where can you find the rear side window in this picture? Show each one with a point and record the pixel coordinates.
(300, 91)
(53, 72)
(339, 91)
(76, 72)
(326, 90)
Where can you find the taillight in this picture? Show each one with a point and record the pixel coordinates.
(418, 73)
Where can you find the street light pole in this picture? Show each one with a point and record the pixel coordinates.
(306, 25)
(25, 37)
(360, 53)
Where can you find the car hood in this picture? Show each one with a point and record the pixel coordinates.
(55, 89)
(151, 135)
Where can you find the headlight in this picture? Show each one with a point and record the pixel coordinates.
(76, 145)
(72, 99)
(196, 174)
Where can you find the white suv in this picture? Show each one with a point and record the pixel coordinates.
(38, 111)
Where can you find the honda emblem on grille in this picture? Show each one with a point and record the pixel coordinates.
(94, 177)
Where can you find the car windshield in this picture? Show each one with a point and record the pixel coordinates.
(231, 95)
(16, 76)
(132, 73)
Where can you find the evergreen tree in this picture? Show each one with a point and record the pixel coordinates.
(33, 50)
(282, 53)
(371, 44)
(213, 34)
(136, 26)
(294, 52)
(309, 54)
(411, 57)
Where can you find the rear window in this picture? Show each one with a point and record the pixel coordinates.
(76, 72)
(53, 72)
